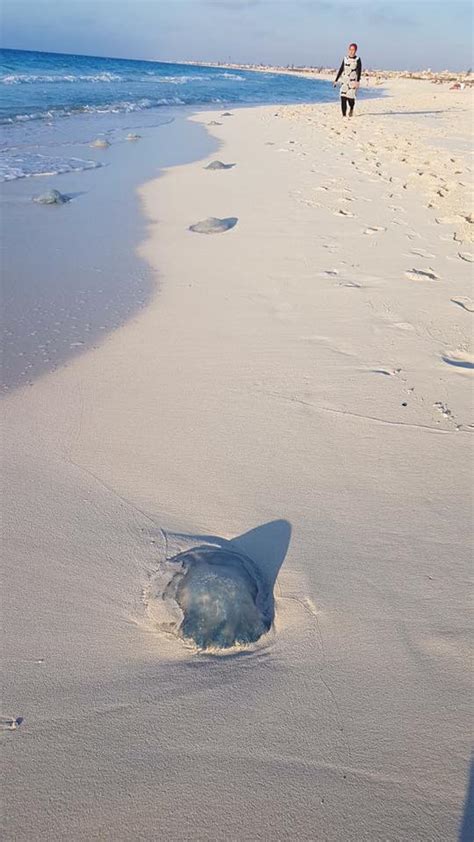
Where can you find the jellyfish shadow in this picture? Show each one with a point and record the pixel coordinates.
(267, 546)
(225, 588)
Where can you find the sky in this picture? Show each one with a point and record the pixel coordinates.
(402, 34)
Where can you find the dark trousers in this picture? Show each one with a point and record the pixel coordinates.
(347, 101)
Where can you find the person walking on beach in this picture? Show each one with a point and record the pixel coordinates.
(349, 73)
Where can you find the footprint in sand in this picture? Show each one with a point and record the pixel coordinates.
(419, 275)
(460, 359)
(464, 302)
(214, 123)
(403, 326)
(331, 273)
(389, 372)
(450, 220)
(374, 229)
(423, 253)
(467, 256)
(444, 410)
(342, 212)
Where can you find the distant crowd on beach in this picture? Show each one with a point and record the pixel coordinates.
(458, 81)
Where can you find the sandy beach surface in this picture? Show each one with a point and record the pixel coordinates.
(301, 386)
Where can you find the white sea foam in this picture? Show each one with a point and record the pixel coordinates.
(186, 79)
(234, 76)
(183, 79)
(30, 78)
(122, 107)
(13, 167)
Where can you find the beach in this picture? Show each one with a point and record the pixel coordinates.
(300, 386)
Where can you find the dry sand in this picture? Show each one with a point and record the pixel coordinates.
(310, 366)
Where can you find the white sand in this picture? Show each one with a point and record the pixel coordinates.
(296, 367)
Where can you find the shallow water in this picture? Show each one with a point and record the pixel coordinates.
(68, 279)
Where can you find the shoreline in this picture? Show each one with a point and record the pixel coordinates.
(312, 365)
(78, 297)
(75, 315)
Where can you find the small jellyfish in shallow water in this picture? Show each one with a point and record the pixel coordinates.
(100, 143)
(51, 197)
(133, 136)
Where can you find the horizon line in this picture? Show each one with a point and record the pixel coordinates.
(241, 64)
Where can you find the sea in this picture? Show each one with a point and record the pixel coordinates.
(67, 278)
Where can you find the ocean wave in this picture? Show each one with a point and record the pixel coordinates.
(185, 79)
(13, 167)
(234, 76)
(122, 107)
(41, 88)
(27, 78)
(57, 78)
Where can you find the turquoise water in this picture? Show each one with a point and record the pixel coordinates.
(45, 85)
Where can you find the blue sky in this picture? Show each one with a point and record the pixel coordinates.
(400, 34)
